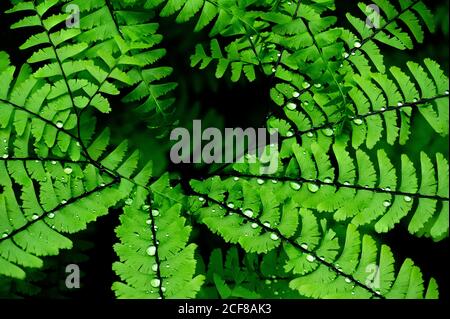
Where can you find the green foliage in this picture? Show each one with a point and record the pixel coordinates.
(313, 229)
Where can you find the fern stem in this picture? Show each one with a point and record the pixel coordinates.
(420, 103)
(277, 64)
(65, 78)
(40, 118)
(337, 185)
(155, 243)
(32, 159)
(59, 207)
(378, 30)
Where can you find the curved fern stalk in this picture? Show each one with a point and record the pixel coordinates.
(378, 105)
(357, 191)
(126, 39)
(251, 277)
(155, 261)
(260, 221)
(394, 25)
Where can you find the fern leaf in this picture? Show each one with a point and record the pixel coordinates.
(155, 261)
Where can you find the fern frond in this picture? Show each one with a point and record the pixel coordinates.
(128, 38)
(377, 107)
(239, 58)
(48, 189)
(155, 261)
(261, 220)
(395, 21)
(357, 191)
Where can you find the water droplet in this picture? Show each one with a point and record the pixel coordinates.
(291, 106)
(64, 202)
(145, 207)
(399, 104)
(353, 53)
(155, 212)
(5, 156)
(274, 181)
(295, 186)
(129, 201)
(310, 258)
(230, 205)
(5, 235)
(68, 170)
(155, 267)
(358, 121)
(313, 188)
(274, 70)
(328, 180)
(248, 213)
(53, 162)
(260, 181)
(407, 199)
(347, 183)
(274, 236)
(304, 246)
(348, 280)
(357, 44)
(59, 124)
(35, 217)
(290, 134)
(446, 92)
(382, 109)
(296, 94)
(236, 179)
(415, 100)
(318, 85)
(266, 224)
(163, 289)
(346, 55)
(279, 54)
(151, 251)
(201, 199)
(268, 282)
(328, 132)
(155, 283)
(386, 203)
(306, 85)
(254, 225)
(51, 215)
(148, 221)
(310, 134)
